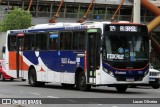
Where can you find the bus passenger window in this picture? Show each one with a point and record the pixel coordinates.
(41, 41)
(78, 37)
(29, 43)
(53, 41)
(12, 42)
(65, 40)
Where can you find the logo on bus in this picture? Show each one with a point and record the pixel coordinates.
(76, 27)
(115, 56)
(120, 72)
(67, 61)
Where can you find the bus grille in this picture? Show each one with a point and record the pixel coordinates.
(124, 78)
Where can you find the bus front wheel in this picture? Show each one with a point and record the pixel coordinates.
(67, 85)
(82, 82)
(121, 88)
(155, 86)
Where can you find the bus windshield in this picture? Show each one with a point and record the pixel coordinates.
(125, 47)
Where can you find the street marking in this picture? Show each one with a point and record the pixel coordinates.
(71, 101)
(52, 97)
(114, 106)
(35, 93)
(99, 104)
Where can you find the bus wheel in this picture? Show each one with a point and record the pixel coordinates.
(32, 78)
(82, 82)
(155, 86)
(67, 85)
(121, 88)
(41, 84)
(2, 77)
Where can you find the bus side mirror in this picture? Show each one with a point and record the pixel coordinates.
(3, 49)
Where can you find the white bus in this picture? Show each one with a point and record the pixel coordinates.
(81, 55)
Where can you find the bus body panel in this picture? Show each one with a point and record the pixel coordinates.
(61, 65)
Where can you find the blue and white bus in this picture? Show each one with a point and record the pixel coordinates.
(81, 55)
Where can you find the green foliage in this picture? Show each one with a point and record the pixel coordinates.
(16, 19)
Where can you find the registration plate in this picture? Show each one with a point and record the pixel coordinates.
(130, 79)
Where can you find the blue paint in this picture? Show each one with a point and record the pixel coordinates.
(31, 56)
(54, 36)
(128, 72)
(54, 62)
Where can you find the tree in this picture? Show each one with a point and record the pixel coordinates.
(16, 19)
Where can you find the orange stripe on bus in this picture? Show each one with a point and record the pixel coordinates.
(12, 62)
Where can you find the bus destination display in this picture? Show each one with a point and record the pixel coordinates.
(123, 28)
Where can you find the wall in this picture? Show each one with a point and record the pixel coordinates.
(2, 42)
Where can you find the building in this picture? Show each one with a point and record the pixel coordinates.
(73, 10)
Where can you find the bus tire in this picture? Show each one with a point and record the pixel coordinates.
(2, 77)
(156, 86)
(67, 85)
(32, 77)
(121, 88)
(82, 83)
(41, 84)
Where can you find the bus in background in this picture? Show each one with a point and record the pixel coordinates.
(81, 55)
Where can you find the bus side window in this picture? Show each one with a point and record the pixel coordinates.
(53, 42)
(41, 41)
(78, 37)
(12, 42)
(65, 40)
(29, 43)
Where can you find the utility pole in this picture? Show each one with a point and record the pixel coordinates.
(136, 11)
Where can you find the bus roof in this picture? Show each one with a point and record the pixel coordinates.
(66, 26)
(51, 27)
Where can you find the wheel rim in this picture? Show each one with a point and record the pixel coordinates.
(82, 80)
(32, 78)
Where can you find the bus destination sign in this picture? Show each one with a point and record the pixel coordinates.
(123, 28)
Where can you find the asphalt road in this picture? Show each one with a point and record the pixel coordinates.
(19, 89)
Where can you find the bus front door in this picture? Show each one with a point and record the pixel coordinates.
(19, 53)
(93, 56)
